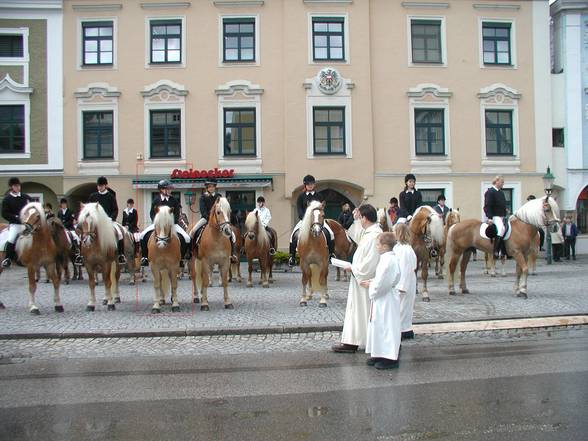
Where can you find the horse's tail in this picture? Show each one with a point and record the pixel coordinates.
(114, 276)
(165, 283)
(315, 272)
(197, 276)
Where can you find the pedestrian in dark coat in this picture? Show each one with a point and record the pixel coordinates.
(346, 216)
(570, 231)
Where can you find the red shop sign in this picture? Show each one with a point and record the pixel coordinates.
(195, 174)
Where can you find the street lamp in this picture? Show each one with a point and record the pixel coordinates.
(548, 179)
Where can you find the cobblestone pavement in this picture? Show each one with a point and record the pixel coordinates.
(558, 289)
(15, 351)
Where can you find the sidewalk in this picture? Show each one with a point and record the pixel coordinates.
(557, 290)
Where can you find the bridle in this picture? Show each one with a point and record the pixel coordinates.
(317, 226)
(428, 239)
(225, 226)
(31, 228)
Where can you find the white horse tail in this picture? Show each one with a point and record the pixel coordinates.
(437, 232)
(315, 285)
(113, 278)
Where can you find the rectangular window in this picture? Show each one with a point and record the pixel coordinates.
(499, 136)
(12, 129)
(98, 135)
(328, 38)
(239, 129)
(430, 195)
(508, 196)
(166, 41)
(426, 41)
(238, 39)
(496, 43)
(429, 126)
(557, 136)
(328, 130)
(166, 133)
(97, 48)
(11, 46)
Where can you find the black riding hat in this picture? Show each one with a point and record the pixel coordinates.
(441, 198)
(102, 181)
(63, 201)
(164, 183)
(13, 181)
(210, 181)
(308, 179)
(408, 177)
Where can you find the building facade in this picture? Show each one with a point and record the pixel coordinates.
(260, 93)
(570, 107)
(31, 91)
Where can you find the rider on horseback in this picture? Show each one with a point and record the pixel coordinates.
(106, 197)
(13, 202)
(265, 217)
(308, 194)
(410, 198)
(165, 198)
(495, 210)
(207, 200)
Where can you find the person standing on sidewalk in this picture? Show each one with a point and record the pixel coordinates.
(570, 231)
(407, 285)
(557, 241)
(364, 232)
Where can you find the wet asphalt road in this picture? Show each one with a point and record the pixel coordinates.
(531, 390)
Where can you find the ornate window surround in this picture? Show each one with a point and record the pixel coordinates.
(429, 96)
(163, 95)
(97, 97)
(240, 94)
(513, 43)
(499, 96)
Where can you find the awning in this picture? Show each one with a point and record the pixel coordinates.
(235, 182)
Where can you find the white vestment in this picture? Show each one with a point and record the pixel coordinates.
(383, 332)
(363, 267)
(407, 261)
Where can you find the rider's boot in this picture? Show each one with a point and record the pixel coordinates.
(330, 244)
(293, 246)
(234, 258)
(10, 255)
(497, 243)
(78, 259)
(144, 252)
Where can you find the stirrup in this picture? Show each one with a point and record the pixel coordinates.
(292, 261)
(272, 251)
(78, 260)
(6, 262)
(144, 261)
(122, 259)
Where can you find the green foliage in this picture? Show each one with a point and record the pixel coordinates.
(281, 257)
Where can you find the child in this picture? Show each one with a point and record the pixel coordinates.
(383, 334)
(407, 285)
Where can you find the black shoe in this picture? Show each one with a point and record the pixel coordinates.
(122, 259)
(407, 335)
(6, 263)
(344, 348)
(144, 261)
(292, 261)
(272, 251)
(386, 363)
(372, 361)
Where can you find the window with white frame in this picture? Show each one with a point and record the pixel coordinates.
(97, 43)
(239, 132)
(328, 38)
(427, 40)
(328, 130)
(11, 46)
(430, 191)
(98, 134)
(166, 41)
(499, 132)
(512, 194)
(12, 129)
(429, 126)
(496, 43)
(238, 39)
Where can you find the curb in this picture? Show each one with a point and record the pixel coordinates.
(420, 328)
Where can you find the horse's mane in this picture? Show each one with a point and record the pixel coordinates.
(164, 218)
(384, 219)
(38, 207)
(532, 211)
(307, 220)
(225, 207)
(252, 223)
(437, 233)
(97, 219)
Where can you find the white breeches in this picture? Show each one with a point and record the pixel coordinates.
(13, 231)
(119, 232)
(179, 230)
(299, 224)
(497, 220)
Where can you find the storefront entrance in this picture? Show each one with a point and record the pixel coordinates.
(242, 202)
(334, 200)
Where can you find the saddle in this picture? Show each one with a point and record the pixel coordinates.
(490, 231)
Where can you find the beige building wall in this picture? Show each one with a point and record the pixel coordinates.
(376, 79)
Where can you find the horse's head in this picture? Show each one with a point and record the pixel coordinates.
(163, 224)
(220, 217)
(428, 224)
(32, 217)
(318, 219)
(453, 217)
(86, 225)
(550, 211)
(251, 225)
(539, 212)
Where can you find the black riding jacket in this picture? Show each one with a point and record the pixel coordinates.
(130, 220)
(11, 206)
(306, 198)
(108, 201)
(66, 217)
(169, 202)
(207, 200)
(494, 203)
(410, 201)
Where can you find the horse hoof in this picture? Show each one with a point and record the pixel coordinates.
(35, 311)
(132, 283)
(465, 291)
(204, 308)
(271, 280)
(175, 309)
(58, 308)
(111, 307)
(426, 299)
(249, 285)
(440, 276)
(67, 282)
(162, 302)
(196, 300)
(265, 285)
(117, 300)
(322, 305)
(492, 275)
(2, 306)
(104, 302)
(229, 306)
(303, 304)
(155, 310)
(90, 308)
(451, 293)
(522, 295)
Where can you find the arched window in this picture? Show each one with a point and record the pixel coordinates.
(582, 211)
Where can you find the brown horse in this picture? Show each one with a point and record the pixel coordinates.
(214, 249)
(257, 246)
(426, 228)
(452, 218)
(523, 235)
(36, 248)
(131, 250)
(98, 249)
(63, 244)
(314, 254)
(164, 258)
(344, 246)
(384, 220)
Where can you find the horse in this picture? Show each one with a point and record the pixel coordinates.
(524, 225)
(131, 251)
(36, 248)
(257, 246)
(98, 249)
(384, 220)
(344, 246)
(314, 254)
(452, 217)
(214, 249)
(426, 228)
(164, 258)
(64, 247)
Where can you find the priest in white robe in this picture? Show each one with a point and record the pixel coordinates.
(407, 284)
(364, 232)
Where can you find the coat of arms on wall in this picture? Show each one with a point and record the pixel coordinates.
(329, 80)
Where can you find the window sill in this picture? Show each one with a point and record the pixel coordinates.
(431, 164)
(242, 164)
(163, 166)
(15, 155)
(94, 167)
(165, 65)
(501, 164)
(427, 65)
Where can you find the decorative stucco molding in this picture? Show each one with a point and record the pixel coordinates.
(496, 89)
(164, 86)
(243, 86)
(165, 5)
(8, 83)
(424, 5)
(233, 3)
(328, 81)
(328, 1)
(98, 8)
(428, 88)
(496, 6)
(94, 89)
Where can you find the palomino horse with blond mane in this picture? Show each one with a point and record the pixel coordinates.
(257, 246)
(214, 249)
(452, 218)
(426, 228)
(519, 242)
(314, 254)
(164, 258)
(98, 249)
(36, 248)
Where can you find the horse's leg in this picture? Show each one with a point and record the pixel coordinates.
(503, 265)
(250, 270)
(464, 265)
(338, 278)
(224, 272)
(453, 259)
(524, 272)
(425, 276)
(56, 279)
(106, 276)
(92, 284)
(206, 276)
(263, 270)
(305, 280)
(115, 283)
(271, 268)
(157, 294)
(174, 288)
(323, 286)
(33, 309)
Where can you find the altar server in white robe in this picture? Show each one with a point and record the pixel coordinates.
(383, 333)
(364, 232)
(407, 285)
